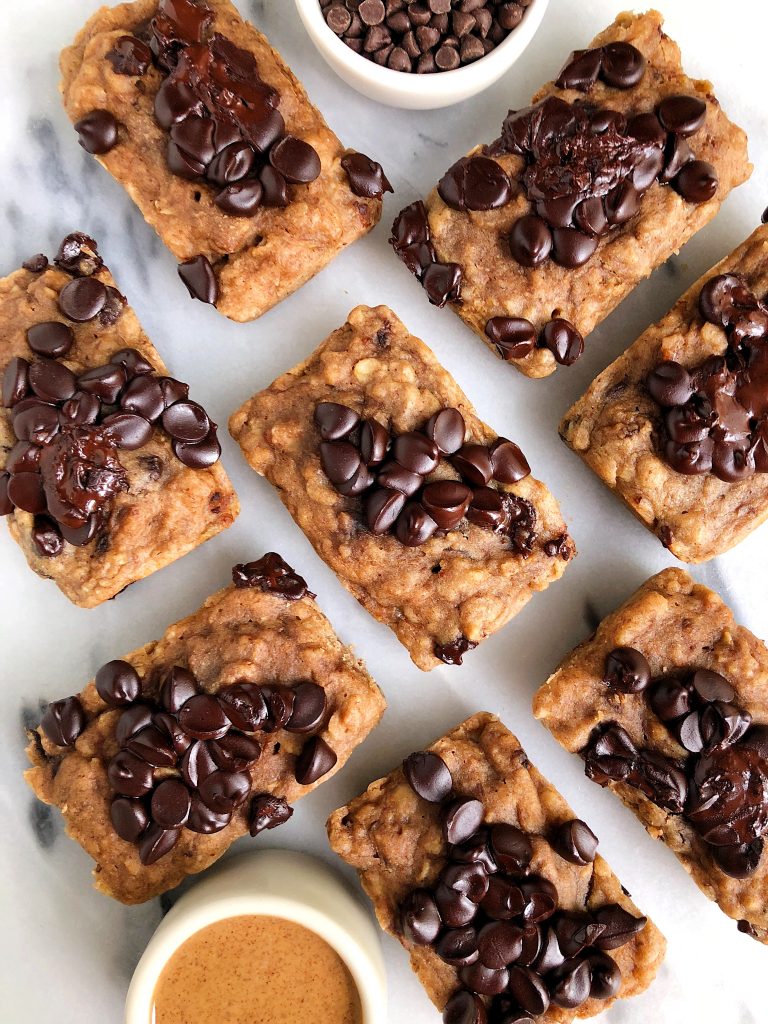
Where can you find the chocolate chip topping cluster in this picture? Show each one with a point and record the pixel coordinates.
(395, 474)
(184, 756)
(64, 468)
(586, 169)
(224, 126)
(715, 417)
(721, 788)
(516, 952)
(423, 36)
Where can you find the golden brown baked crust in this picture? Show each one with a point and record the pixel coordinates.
(375, 366)
(237, 635)
(167, 510)
(394, 840)
(675, 623)
(494, 284)
(614, 428)
(258, 260)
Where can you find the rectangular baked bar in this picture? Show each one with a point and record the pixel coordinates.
(619, 429)
(266, 644)
(548, 158)
(244, 264)
(117, 498)
(680, 628)
(396, 839)
(441, 597)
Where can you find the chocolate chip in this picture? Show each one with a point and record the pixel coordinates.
(143, 396)
(295, 159)
(170, 729)
(571, 984)
(508, 463)
(514, 337)
(528, 990)
(267, 812)
(129, 818)
(15, 381)
(231, 164)
(563, 341)
(177, 688)
(738, 861)
(374, 441)
(581, 70)
(396, 478)
(382, 509)
(475, 849)
(465, 1008)
(471, 880)
(442, 283)
(457, 946)
(197, 764)
(275, 187)
(63, 721)
(711, 686)
(134, 364)
(530, 241)
(315, 760)
(340, 460)
(697, 182)
(415, 452)
(25, 492)
(51, 338)
(98, 131)
(575, 842)
(202, 716)
(452, 653)
(447, 430)
(499, 944)
(335, 421)
(619, 926)
(170, 804)
(446, 502)
(669, 698)
(203, 820)
(461, 819)
(456, 909)
(186, 421)
(626, 670)
(683, 115)
(243, 199)
(223, 791)
(428, 776)
(473, 462)
(46, 536)
(366, 177)
(309, 708)
(200, 280)
(33, 421)
(129, 56)
(244, 706)
(82, 299)
(157, 842)
(606, 976)
(511, 848)
(78, 255)
(201, 455)
(272, 574)
(129, 775)
(36, 264)
(669, 384)
(118, 683)
(127, 430)
(105, 382)
(475, 183)
(414, 526)
(484, 980)
(623, 65)
(280, 701)
(420, 921)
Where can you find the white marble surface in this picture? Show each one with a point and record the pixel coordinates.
(66, 953)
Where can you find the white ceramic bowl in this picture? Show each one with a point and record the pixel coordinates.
(277, 883)
(411, 91)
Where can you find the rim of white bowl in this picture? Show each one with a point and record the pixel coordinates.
(487, 69)
(173, 932)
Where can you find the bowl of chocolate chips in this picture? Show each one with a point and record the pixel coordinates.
(421, 54)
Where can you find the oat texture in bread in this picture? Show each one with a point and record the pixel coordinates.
(97, 493)
(441, 592)
(188, 106)
(396, 835)
(533, 239)
(621, 431)
(705, 793)
(126, 756)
